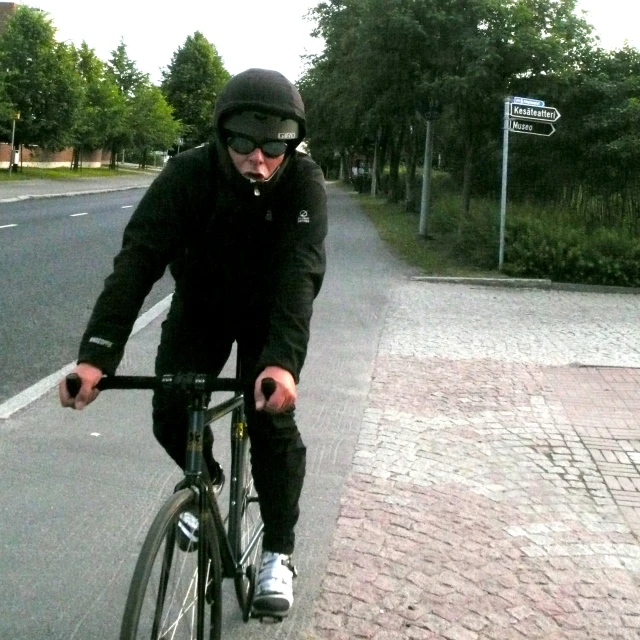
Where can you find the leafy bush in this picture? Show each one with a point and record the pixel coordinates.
(535, 248)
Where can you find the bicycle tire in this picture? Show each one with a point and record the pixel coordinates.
(165, 591)
(245, 520)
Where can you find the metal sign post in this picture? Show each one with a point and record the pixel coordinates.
(521, 115)
(505, 166)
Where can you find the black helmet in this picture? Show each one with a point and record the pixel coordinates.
(262, 104)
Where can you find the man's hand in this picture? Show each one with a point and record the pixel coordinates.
(283, 398)
(89, 376)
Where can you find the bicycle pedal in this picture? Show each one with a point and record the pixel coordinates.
(266, 618)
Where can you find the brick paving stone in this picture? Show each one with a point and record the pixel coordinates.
(495, 489)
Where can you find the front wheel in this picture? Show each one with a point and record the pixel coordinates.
(175, 591)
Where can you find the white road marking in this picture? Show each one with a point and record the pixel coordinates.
(7, 226)
(128, 206)
(26, 397)
(73, 215)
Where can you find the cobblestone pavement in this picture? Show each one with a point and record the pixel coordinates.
(495, 491)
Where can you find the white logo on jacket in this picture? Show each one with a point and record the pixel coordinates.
(303, 216)
(101, 341)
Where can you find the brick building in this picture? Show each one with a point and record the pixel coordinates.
(6, 11)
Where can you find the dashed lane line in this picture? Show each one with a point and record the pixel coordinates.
(7, 226)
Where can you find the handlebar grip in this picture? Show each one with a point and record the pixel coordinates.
(268, 387)
(73, 384)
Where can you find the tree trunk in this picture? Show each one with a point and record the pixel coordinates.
(383, 147)
(412, 163)
(345, 169)
(397, 144)
(375, 174)
(466, 188)
(75, 159)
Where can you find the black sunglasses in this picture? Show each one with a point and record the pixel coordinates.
(245, 145)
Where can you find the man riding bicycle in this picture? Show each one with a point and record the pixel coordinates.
(241, 223)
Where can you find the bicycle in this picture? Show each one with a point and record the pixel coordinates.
(176, 579)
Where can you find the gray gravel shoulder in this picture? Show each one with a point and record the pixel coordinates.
(28, 189)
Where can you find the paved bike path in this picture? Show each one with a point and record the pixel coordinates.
(80, 488)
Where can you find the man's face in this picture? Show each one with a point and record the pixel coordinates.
(255, 165)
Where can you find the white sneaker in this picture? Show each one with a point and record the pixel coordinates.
(188, 523)
(188, 529)
(274, 585)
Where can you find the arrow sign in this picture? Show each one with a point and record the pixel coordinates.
(524, 112)
(533, 128)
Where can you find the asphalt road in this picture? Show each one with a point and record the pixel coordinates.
(54, 256)
(78, 490)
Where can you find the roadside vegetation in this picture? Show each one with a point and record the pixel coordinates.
(58, 96)
(549, 243)
(389, 66)
(65, 173)
(442, 252)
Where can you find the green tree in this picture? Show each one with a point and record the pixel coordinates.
(123, 73)
(103, 113)
(379, 62)
(386, 59)
(191, 84)
(494, 46)
(7, 112)
(590, 164)
(40, 79)
(151, 121)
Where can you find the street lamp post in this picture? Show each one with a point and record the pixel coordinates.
(430, 115)
(16, 116)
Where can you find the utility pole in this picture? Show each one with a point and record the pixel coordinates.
(432, 113)
(16, 116)
(426, 182)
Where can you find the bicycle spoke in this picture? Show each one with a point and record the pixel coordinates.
(163, 603)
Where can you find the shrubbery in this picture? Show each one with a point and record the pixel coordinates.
(537, 249)
(546, 242)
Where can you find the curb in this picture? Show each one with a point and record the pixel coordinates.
(522, 283)
(71, 193)
(527, 283)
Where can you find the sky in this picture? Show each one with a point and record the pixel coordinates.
(271, 34)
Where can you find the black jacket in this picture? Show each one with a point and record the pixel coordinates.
(245, 257)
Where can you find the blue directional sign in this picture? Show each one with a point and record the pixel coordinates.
(530, 102)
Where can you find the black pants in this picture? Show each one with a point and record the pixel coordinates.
(278, 455)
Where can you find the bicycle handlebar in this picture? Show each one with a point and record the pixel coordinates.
(186, 382)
